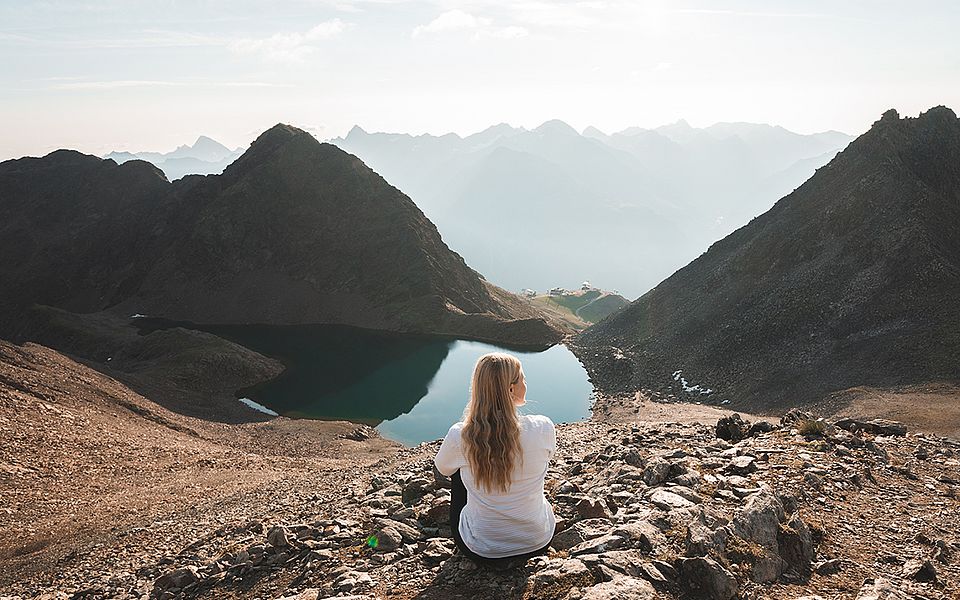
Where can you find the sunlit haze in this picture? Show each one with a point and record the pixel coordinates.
(153, 75)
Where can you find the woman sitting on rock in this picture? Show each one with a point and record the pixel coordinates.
(497, 461)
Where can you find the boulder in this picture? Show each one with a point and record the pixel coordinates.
(642, 535)
(758, 427)
(741, 465)
(920, 570)
(176, 579)
(559, 575)
(706, 578)
(438, 513)
(795, 544)
(414, 490)
(759, 522)
(732, 428)
(592, 508)
(598, 545)
(618, 588)
(794, 416)
(627, 562)
(581, 531)
(880, 589)
(665, 500)
(656, 471)
(873, 426)
(278, 537)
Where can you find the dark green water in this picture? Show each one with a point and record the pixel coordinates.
(411, 387)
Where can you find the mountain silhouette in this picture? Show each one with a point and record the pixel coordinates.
(622, 210)
(293, 232)
(205, 157)
(850, 280)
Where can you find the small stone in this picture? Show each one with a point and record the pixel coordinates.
(829, 567)
(308, 594)
(387, 539)
(277, 537)
(435, 551)
(920, 570)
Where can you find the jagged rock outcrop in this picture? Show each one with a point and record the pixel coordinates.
(293, 232)
(850, 280)
(727, 536)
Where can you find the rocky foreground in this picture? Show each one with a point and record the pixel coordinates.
(733, 509)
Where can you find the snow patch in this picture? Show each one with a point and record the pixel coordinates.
(259, 407)
(678, 376)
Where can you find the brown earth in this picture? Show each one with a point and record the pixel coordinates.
(87, 463)
(932, 407)
(103, 491)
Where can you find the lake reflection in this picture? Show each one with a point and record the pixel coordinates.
(411, 387)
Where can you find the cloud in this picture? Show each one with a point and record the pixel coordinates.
(452, 20)
(148, 38)
(747, 13)
(70, 83)
(459, 20)
(289, 47)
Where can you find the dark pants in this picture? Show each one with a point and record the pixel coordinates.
(458, 499)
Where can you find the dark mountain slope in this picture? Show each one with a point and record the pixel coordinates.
(853, 279)
(69, 233)
(293, 232)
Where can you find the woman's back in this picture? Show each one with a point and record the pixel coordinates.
(498, 523)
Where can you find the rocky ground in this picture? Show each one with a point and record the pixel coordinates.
(654, 500)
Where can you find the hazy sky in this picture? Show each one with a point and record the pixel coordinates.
(112, 75)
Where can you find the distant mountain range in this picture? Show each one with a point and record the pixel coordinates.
(851, 280)
(295, 231)
(205, 157)
(531, 208)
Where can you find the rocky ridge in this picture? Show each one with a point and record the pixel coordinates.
(800, 508)
(848, 281)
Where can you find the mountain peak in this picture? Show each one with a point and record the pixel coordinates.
(556, 126)
(593, 132)
(939, 114)
(890, 115)
(268, 144)
(205, 142)
(355, 131)
(278, 133)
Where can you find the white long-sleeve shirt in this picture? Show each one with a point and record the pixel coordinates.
(520, 520)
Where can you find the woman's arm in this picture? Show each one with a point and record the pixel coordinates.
(449, 458)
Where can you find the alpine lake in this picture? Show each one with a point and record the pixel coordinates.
(410, 387)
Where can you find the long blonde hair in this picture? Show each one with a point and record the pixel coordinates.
(491, 428)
